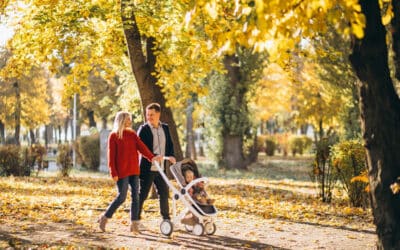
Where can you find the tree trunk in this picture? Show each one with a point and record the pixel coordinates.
(66, 125)
(190, 151)
(380, 115)
(395, 29)
(59, 134)
(262, 127)
(143, 68)
(48, 134)
(92, 121)
(232, 152)
(104, 122)
(2, 133)
(32, 135)
(78, 125)
(56, 136)
(17, 115)
(46, 137)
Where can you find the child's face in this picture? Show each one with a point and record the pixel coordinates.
(189, 176)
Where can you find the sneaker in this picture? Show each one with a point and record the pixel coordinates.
(102, 223)
(135, 227)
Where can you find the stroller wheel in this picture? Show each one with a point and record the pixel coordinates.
(166, 227)
(198, 229)
(189, 228)
(210, 228)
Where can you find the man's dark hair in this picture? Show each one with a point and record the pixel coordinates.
(154, 106)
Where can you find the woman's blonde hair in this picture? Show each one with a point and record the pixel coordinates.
(119, 122)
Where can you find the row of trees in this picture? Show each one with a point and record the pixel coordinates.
(182, 49)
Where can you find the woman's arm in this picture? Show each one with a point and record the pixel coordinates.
(112, 155)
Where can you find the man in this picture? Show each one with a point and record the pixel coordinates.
(157, 138)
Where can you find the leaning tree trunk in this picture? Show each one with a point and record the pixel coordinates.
(380, 114)
(143, 68)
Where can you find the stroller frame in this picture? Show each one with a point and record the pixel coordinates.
(205, 224)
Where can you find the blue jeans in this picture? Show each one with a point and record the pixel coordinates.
(122, 186)
(146, 180)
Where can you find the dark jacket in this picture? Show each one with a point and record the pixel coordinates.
(145, 134)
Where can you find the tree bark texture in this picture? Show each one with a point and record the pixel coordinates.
(17, 115)
(32, 136)
(92, 121)
(143, 67)
(2, 133)
(395, 29)
(380, 121)
(232, 152)
(66, 125)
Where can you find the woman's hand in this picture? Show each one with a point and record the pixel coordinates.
(158, 158)
(115, 178)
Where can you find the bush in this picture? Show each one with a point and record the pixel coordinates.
(348, 160)
(322, 170)
(11, 162)
(270, 146)
(64, 159)
(282, 143)
(37, 153)
(89, 149)
(261, 143)
(299, 144)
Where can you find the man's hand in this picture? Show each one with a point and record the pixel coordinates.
(115, 178)
(172, 159)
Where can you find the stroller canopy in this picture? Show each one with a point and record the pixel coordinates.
(180, 167)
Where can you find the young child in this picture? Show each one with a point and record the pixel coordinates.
(197, 191)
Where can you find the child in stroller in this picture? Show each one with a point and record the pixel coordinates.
(197, 216)
(190, 172)
(197, 191)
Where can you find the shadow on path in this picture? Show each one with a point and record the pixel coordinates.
(184, 239)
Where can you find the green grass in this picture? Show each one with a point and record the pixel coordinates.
(274, 168)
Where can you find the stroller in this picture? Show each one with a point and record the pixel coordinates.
(204, 214)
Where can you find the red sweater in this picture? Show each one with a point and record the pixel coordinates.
(123, 157)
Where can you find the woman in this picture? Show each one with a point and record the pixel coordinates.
(123, 162)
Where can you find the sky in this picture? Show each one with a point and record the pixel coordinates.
(5, 34)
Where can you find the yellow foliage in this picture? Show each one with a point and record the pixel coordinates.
(395, 187)
(387, 17)
(361, 178)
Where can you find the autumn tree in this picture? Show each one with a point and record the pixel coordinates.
(336, 72)
(380, 113)
(26, 98)
(142, 53)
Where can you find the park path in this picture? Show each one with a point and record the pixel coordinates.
(239, 233)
